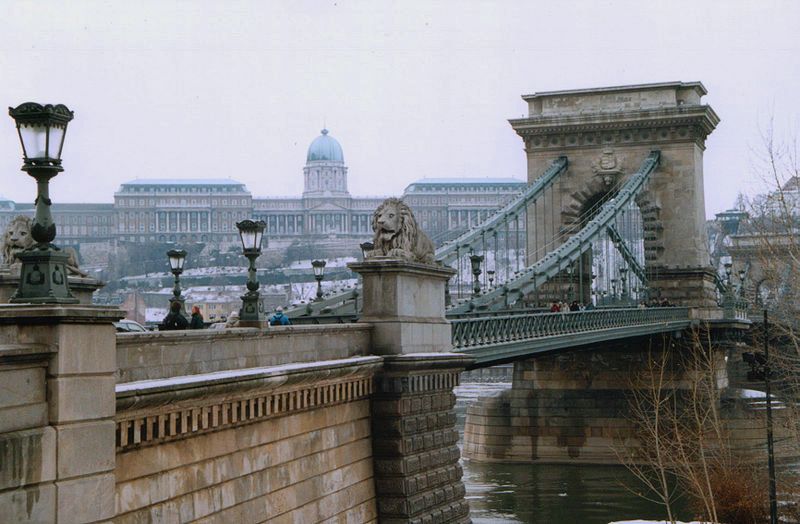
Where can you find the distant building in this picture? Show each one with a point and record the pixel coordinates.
(442, 206)
(446, 207)
(151, 210)
(182, 210)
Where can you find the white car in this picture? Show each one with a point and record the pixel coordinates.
(129, 326)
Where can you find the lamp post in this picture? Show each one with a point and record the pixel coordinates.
(742, 274)
(490, 274)
(728, 299)
(475, 262)
(570, 270)
(319, 274)
(177, 258)
(614, 289)
(41, 129)
(623, 276)
(251, 233)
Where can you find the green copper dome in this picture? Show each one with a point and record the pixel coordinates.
(325, 148)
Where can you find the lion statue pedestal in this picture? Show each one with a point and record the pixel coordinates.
(404, 289)
(17, 238)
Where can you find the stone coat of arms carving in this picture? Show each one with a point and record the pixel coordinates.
(608, 166)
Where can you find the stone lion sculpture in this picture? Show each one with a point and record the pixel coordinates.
(397, 234)
(17, 238)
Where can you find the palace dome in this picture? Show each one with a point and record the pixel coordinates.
(325, 148)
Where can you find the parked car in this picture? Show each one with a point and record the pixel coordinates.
(129, 326)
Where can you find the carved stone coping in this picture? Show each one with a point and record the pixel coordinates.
(414, 373)
(395, 265)
(13, 354)
(154, 411)
(182, 336)
(46, 314)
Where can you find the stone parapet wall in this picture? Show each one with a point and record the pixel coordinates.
(285, 444)
(149, 356)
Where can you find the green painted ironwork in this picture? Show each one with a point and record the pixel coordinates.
(624, 250)
(493, 339)
(567, 253)
(345, 301)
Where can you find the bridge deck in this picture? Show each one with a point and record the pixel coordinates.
(497, 339)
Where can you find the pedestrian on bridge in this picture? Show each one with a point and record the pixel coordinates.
(197, 319)
(279, 319)
(574, 306)
(174, 319)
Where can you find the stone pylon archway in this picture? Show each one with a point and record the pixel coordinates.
(606, 133)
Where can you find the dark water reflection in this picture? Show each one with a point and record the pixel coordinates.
(548, 494)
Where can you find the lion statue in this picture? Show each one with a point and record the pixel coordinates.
(397, 234)
(17, 238)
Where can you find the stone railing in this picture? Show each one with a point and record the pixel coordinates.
(498, 330)
(158, 355)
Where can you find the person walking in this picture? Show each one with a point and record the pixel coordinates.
(174, 319)
(197, 319)
(279, 319)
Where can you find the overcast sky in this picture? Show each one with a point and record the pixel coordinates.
(194, 89)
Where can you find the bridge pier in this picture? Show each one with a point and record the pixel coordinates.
(571, 407)
(415, 452)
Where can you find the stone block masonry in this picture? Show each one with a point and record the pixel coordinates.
(283, 444)
(417, 471)
(57, 368)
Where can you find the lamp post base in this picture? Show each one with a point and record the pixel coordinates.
(43, 278)
(251, 312)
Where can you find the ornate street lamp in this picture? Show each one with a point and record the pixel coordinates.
(475, 262)
(742, 274)
(177, 257)
(366, 248)
(41, 129)
(623, 276)
(614, 289)
(319, 274)
(490, 274)
(570, 292)
(251, 232)
(728, 268)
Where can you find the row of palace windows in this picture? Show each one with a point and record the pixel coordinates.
(181, 238)
(131, 202)
(183, 189)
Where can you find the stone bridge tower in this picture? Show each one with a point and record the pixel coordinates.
(606, 133)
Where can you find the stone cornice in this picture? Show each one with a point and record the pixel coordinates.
(30, 314)
(681, 124)
(396, 265)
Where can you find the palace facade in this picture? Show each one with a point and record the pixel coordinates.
(206, 210)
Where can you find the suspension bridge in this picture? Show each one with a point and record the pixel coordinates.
(610, 223)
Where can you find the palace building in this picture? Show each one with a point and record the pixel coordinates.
(185, 210)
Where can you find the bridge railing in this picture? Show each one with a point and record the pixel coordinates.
(496, 330)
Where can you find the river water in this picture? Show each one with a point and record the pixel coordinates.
(548, 494)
